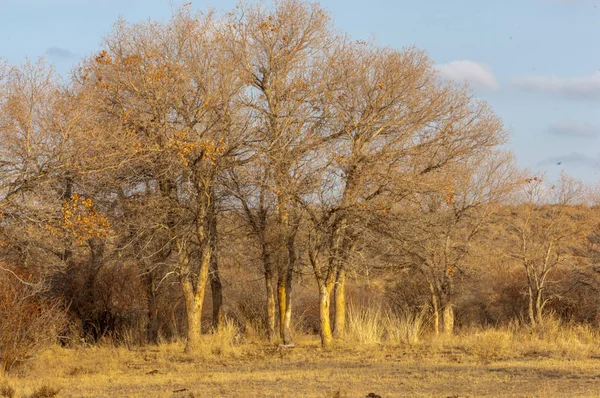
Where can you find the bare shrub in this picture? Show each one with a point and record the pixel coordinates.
(29, 322)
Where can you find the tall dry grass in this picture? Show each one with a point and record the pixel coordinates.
(382, 326)
(550, 339)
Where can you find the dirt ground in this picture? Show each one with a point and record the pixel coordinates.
(304, 371)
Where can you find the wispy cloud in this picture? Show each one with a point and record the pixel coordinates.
(581, 130)
(573, 159)
(476, 74)
(578, 88)
(59, 52)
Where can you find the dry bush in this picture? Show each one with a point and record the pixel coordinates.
(224, 342)
(108, 302)
(7, 391)
(45, 392)
(29, 320)
(245, 300)
(489, 344)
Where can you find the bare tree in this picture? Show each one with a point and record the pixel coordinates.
(439, 234)
(168, 89)
(397, 125)
(249, 184)
(544, 230)
(274, 50)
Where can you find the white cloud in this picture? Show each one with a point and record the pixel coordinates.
(583, 130)
(477, 75)
(579, 88)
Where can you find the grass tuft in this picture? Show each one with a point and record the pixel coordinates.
(45, 392)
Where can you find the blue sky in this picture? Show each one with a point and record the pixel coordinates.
(537, 62)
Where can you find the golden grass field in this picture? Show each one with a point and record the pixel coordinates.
(563, 362)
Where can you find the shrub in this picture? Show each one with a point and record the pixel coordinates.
(490, 344)
(7, 391)
(45, 392)
(28, 321)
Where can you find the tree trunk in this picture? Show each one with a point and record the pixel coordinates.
(436, 314)
(281, 301)
(339, 320)
(193, 310)
(289, 277)
(448, 318)
(324, 316)
(530, 309)
(538, 306)
(286, 270)
(270, 305)
(287, 318)
(194, 298)
(153, 324)
(216, 287)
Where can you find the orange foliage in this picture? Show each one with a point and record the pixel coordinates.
(209, 150)
(81, 219)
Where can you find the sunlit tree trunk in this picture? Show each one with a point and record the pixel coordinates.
(448, 318)
(194, 298)
(270, 292)
(339, 320)
(436, 314)
(287, 318)
(324, 315)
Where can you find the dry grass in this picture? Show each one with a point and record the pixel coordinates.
(377, 326)
(553, 360)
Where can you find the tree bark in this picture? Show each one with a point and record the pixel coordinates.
(531, 309)
(281, 301)
(448, 318)
(193, 309)
(287, 318)
(436, 314)
(324, 316)
(194, 297)
(270, 303)
(216, 287)
(339, 320)
(539, 306)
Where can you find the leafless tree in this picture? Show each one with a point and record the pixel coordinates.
(545, 228)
